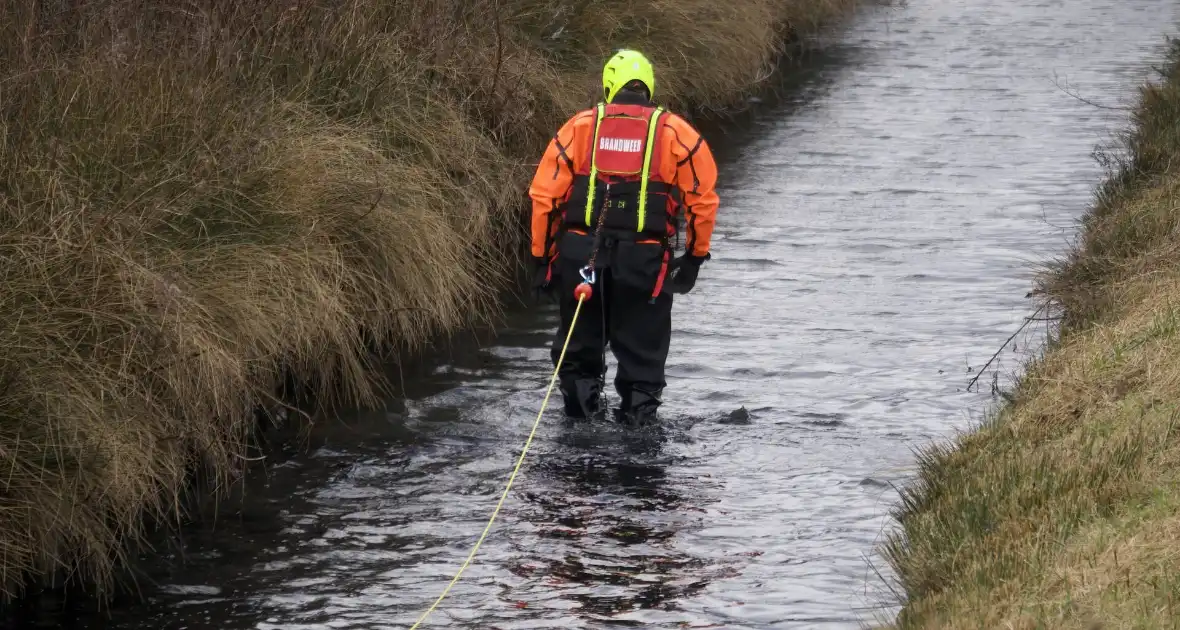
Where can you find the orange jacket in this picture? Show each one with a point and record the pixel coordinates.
(685, 160)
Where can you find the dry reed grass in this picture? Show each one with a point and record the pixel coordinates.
(1061, 512)
(199, 198)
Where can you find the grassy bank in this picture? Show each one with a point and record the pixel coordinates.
(1064, 511)
(199, 198)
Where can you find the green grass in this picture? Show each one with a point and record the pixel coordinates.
(1061, 511)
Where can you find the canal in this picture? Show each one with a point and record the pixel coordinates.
(879, 228)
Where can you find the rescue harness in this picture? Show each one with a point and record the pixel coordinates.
(618, 189)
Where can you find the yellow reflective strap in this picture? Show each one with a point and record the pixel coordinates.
(644, 176)
(593, 166)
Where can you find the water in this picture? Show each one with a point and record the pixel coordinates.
(876, 240)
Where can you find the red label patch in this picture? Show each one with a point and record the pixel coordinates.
(621, 144)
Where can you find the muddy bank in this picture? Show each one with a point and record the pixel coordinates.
(1060, 511)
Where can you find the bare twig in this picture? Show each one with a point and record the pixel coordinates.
(1086, 100)
(1027, 321)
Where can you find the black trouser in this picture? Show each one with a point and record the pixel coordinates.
(623, 314)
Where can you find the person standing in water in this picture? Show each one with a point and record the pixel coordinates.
(616, 184)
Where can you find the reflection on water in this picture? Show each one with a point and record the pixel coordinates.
(638, 569)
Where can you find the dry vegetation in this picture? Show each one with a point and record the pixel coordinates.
(1064, 511)
(199, 198)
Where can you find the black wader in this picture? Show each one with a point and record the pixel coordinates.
(621, 313)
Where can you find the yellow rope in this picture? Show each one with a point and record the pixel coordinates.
(519, 461)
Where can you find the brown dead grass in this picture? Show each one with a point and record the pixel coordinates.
(198, 197)
(1064, 510)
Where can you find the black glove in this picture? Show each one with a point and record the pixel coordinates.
(542, 278)
(683, 272)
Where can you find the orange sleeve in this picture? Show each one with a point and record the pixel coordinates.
(696, 177)
(554, 177)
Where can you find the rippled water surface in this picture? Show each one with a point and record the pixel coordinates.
(876, 239)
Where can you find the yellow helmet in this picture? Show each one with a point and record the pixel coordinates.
(624, 67)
